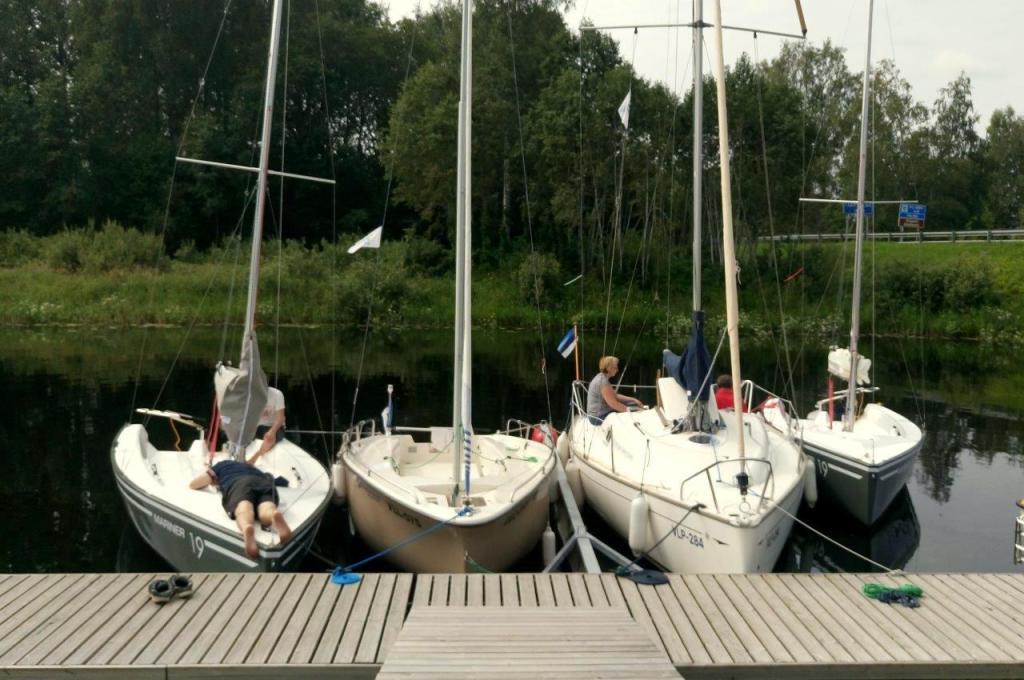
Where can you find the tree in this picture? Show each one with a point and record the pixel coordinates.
(1004, 156)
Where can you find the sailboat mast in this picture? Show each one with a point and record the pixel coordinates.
(467, 253)
(462, 202)
(257, 223)
(851, 391)
(732, 310)
(698, 144)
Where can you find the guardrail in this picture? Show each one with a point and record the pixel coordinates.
(966, 236)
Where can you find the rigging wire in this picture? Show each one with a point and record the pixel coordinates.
(170, 194)
(334, 217)
(529, 213)
(383, 221)
(771, 223)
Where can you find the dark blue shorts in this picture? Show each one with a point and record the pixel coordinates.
(255, 489)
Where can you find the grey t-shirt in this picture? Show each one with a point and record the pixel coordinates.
(596, 405)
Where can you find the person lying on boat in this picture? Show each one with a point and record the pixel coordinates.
(602, 398)
(723, 393)
(246, 492)
(271, 425)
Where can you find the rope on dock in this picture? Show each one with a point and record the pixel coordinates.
(907, 594)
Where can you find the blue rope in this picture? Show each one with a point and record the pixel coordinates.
(415, 537)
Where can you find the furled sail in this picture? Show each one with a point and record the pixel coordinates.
(839, 365)
(241, 395)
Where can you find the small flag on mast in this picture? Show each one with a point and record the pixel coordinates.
(371, 240)
(568, 343)
(624, 109)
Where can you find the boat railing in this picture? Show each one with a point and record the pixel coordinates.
(514, 427)
(841, 394)
(793, 428)
(763, 496)
(579, 397)
(356, 432)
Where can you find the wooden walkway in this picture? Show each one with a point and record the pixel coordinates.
(535, 643)
(299, 625)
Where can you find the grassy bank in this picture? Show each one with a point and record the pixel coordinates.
(112, 277)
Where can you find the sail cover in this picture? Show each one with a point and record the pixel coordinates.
(839, 360)
(691, 369)
(241, 394)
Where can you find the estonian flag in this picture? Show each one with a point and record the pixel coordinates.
(568, 343)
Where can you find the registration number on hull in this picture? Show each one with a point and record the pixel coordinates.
(691, 537)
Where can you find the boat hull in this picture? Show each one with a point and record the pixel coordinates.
(865, 491)
(383, 521)
(190, 542)
(701, 543)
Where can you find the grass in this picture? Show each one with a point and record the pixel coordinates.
(949, 290)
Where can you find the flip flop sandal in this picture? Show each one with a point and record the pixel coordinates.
(161, 591)
(181, 585)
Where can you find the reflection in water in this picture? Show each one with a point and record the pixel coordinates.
(891, 541)
(67, 392)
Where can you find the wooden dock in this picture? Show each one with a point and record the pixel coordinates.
(710, 626)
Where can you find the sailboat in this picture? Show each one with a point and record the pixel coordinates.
(457, 500)
(865, 455)
(189, 528)
(694, 492)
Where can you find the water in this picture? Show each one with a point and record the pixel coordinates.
(67, 392)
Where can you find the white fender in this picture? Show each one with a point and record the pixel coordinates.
(810, 482)
(338, 480)
(575, 477)
(547, 545)
(562, 448)
(639, 516)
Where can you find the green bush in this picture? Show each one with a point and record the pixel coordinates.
(539, 277)
(423, 256)
(383, 278)
(18, 246)
(116, 248)
(65, 250)
(969, 285)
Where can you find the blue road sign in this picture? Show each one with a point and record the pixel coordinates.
(913, 211)
(850, 208)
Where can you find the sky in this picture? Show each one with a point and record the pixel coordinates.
(931, 41)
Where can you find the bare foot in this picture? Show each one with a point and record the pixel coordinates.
(251, 549)
(283, 532)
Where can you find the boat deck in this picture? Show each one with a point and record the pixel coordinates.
(709, 626)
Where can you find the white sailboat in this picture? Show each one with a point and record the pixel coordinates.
(865, 457)
(695, 490)
(486, 496)
(189, 528)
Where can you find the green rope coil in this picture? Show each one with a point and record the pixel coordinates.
(875, 590)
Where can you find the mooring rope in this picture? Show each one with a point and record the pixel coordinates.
(404, 542)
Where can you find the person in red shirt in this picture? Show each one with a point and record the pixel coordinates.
(723, 393)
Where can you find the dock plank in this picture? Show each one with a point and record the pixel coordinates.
(59, 629)
(745, 623)
(457, 590)
(34, 628)
(396, 615)
(200, 627)
(527, 590)
(754, 623)
(560, 587)
(439, 590)
(474, 590)
(545, 593)
(699, 621)
(337, 622)
(777, 593)
(373, 626)
(638, 610)
(197, 606)
(492, 590)
(421, 595)
(220, 633)
(510, 591)
(745, 592)
(299, 619)
(973, 612)
(595, 590)
(360, 609)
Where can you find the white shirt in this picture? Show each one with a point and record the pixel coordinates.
(275, 403)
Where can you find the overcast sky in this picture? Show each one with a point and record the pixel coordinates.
(931, 41)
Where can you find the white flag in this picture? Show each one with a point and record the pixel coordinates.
(624, 109)
(371, 240)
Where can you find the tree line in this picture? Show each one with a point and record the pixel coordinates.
(99, 96)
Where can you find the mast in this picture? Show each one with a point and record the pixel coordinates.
(698, 144)
(467, 253)
(257, 223)
(851, 390)
(728, 250)
(462, 342)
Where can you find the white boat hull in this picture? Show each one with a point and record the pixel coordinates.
(189, 529)
(493, 537)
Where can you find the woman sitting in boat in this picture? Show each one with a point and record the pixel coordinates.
(602, 398)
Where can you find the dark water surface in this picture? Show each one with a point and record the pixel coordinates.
(65, 394)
